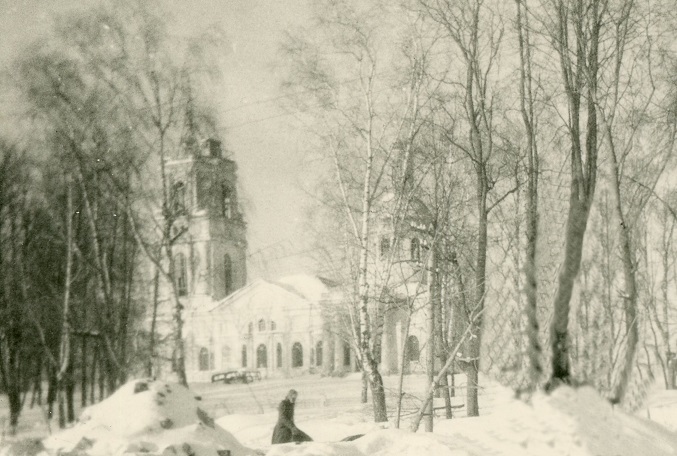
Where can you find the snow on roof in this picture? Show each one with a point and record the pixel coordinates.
(302, 286)
(147, 417)
(310, 287)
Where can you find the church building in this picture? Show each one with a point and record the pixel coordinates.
(286, 327)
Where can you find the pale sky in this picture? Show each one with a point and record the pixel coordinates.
(268, 151)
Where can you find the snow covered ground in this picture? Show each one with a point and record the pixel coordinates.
(154, 418)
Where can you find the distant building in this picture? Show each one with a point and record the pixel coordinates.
(288, 327)
(276, 327)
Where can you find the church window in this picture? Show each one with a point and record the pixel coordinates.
(415, 249)
(412, 350)
(227, 201)
(297, 355)
(346, 354)
(279, 354)
(178, 197)
(262, 356)
(227, 274)
(181, 274)
(214, 147)
(273, 325)
(318, 353)
(384, 247)
(203, 359)
(244, 356)
(262, 325)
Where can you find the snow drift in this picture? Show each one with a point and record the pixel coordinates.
(146, 417)
(158, 419)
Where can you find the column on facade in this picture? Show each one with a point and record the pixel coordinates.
(338, 353)
(389, 344)
(405, 363)
(328, 358)
(397, 344)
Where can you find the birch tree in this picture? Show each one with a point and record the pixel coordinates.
(475, 32)
(367, 122)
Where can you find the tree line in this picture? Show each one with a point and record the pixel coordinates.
(528, 145)
(88, 218)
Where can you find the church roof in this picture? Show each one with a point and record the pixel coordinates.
(289, 289)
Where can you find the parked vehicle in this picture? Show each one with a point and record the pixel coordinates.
(254, 374)
(233, 377)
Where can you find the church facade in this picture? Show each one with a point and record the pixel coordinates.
(286, 327)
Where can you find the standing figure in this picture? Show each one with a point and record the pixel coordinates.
(285, 430)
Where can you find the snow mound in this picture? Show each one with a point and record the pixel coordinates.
(146, 417)
(388, 442)
(567, 422)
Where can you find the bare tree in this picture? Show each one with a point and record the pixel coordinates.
(475, 31)
(530, 128)
(368, 129)
(576, 37)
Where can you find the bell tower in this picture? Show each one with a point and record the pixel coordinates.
(212, 245)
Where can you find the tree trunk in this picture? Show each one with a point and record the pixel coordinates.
(153, 324)
(442, 321)
(14, 396)
(583, 171)
(93, 372)
(577, 219)
(527, 109)
(400, 381)
(37, 383)
(428, 398)
(70, 393)
(364, 394)
(51, 391)
(474, 345)
(630, 292)
(65, 361)
(83, 371)
(102, 374)
(430, 358)
(378, 396)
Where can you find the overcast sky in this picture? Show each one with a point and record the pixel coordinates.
(269, 153)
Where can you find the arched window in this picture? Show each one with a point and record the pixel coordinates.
(178, 197)
(346, 354)
(244, 356)
(273, 326)
(203, 359)
(279, 355)
(413, 352)
(214, 147)
(225, 356)
(227, 274)
(227, 201)
(318, 353)
(262, 356)
(297, 355)
(415, 249)
(262, 325)
(181, 274)
(384, 247)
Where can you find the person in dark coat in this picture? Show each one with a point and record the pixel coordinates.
(285, 430)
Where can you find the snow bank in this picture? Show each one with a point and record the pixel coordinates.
(387, 442)
(150, 418)
(567, 422)
(661, 407)
(573, 422)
